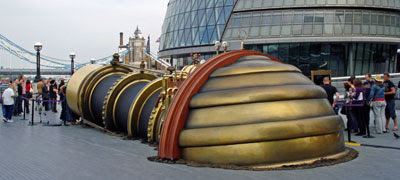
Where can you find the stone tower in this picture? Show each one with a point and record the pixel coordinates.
(137, 46)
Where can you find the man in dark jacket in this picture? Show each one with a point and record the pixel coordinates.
(332, 92)
(53, 95)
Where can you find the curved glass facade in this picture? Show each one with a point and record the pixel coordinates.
(194, 22)
(273, 4)
(349, 37)
(366, 57)
(318, 22)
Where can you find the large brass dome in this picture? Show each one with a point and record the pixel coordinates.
(255, 111)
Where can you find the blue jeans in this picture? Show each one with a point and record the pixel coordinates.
(9, 111)
(3, 108)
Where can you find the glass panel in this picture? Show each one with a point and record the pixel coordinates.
(266, 19)
(287, 18)
(366, 17)
(289, 2)
(298, 18)
(339, 17)
(329, 18)
(379, 30)
(265, 31)
(318, 29)
(308, 18)
(257, 4)
(254, 31)
(339, 28)
(347, 29)
(349, 17)
(300, 2)
(321, 1)
(267, 3)
(319, 18)
(372, 29)
(275, 30)
(310, 2)
(283, 52)
(381, 19)
(356, 29)
(307, 29)
(278, 3)
(331, 2)
(247, 4)
(276, 18)
(365, 29)
(255, 21)
(297, 29)
(245, 21)
(374, 19)
(236, 21)
(328, 29)
(285, 30)
(357, 18)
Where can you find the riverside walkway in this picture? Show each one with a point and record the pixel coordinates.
(80, 153)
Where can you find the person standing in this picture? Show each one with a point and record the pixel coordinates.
(53, 95)
(28, 94)
(3, 87)
(61, 92)
(8, 101)
(369, 82)
(45, 95)
(348, 95)
(15, 88)
(359, 111)
(332, 92)
(378, 102)
(390, 110)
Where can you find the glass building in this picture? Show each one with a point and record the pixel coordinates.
(349, 37)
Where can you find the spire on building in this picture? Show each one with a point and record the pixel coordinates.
(138, 33)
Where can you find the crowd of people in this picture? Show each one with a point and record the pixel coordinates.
(375, 94)
(16, 96)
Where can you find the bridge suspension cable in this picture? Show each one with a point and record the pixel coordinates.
(46, 61)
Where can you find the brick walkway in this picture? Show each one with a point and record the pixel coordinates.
(74, 152)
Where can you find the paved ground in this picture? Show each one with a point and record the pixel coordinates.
(74, 152)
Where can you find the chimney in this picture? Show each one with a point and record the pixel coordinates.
(121, 38)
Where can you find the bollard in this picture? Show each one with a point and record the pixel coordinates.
(24, 118)
(33, 106)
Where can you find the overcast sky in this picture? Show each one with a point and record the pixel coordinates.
(90, 28)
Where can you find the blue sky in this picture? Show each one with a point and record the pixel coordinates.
(90, 28)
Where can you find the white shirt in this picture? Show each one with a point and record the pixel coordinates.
(8, 98)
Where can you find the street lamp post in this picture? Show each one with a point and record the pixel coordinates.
(38, 47)
(72, 56)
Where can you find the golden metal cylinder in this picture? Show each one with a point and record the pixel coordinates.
(75, 84)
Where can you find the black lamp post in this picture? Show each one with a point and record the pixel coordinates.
(72, 56)
(38, 47)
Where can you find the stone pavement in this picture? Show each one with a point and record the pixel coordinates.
(78, 153)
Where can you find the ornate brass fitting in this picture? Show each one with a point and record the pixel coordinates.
(115, 60)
